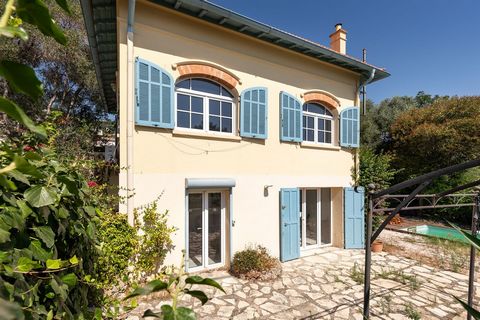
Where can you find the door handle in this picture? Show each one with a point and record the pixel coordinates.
(285, 224)
(199, 228)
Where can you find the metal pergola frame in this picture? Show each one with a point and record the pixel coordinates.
(414, 201)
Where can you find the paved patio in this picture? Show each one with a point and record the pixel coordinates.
(323, 287)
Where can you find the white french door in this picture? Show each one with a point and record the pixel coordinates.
(206, 230)
(315, 218)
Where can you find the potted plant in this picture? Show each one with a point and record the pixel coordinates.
(377, 246)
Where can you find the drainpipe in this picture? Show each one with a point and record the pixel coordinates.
(130, 108)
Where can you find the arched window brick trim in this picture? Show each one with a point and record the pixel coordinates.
(190, 70)
(321, 98)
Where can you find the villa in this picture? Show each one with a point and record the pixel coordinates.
(248, 134)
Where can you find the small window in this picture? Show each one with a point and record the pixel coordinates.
(317, 123)
(204, 105)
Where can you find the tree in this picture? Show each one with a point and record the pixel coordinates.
(375, 169)
(440, 135)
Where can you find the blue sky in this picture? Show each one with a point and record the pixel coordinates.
(429, 45)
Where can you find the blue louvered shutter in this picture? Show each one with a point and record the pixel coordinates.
(291, 118)
(253, 113)
(154, 95)
(350, 127)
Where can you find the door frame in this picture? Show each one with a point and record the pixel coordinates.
(205, 265)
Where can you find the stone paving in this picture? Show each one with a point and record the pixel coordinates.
(323, 286)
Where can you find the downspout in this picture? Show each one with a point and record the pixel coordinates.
(130, 109)
(364, 107)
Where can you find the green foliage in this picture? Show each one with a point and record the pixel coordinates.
(118, 241)
(412, 313)
(155, 238)
(253, 262)
(177, 283)
(443, 134)
(357, 273)
(46, 222)
(375, 169)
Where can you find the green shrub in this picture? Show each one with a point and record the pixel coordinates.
(255, 263)
(155, 238)
(118, 241)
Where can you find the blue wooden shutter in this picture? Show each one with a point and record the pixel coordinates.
(289, 223)
(253, 113)
(291, 118)
(154, 95)
(354, 217)
(350, 127)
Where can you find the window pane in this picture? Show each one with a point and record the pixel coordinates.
(304, 134)
(195, 230)
(214, 123)
(226, 109)
(165, 79)
(185, 84)
(247, 95)
(321, 136)
(255, 95)
(197, 104)
(321, 124)
(183, 102)
(310, 135)
(214, 228)
(328, 125)
(183, 119)
(226, 125)
(310, 123)
(311, 217)
(207, 86)
(226, 93)
(304, 121)
(197, 121)
(326, 217)
(328, 137)
(261, 96)
(214, 107)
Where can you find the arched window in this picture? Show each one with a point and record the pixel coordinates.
(203, 104)
(317, 123)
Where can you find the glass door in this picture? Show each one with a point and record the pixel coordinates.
(206, 230)
(316, 218)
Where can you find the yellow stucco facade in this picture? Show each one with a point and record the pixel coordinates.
(164, 158)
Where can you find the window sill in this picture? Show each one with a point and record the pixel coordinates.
(205, 135)
(318, 146)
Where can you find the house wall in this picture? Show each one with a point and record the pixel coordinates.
(164, 158)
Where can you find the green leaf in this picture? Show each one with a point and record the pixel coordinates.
(50, 315)
(24, 208)
(4, 236)
(25, 167)
(90, 211)
(63, 213)
(12, 31)
(17, 175)
(69, 279)
(59, 289)
(181, 313)
(73, 260)
(16, 113)
(150, 313)
(21, 78)
(46, 234)
(39, 196)
(473, 312)
(6, 183)
(36, 12)
(54, 264)
(25, 264)
(200, 295)
(64, 5)
(39, 253)
(473, 240)
(152, 286)
(3, 256)
(10, 310)
(204, 281)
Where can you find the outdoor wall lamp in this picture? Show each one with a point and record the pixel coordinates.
(265, 189)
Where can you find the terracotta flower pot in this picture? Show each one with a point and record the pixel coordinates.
(377, 246)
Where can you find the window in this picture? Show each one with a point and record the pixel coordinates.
(317, 123)
(315, 217)
(204, 105)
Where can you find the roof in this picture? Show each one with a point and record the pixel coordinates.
(101, 25)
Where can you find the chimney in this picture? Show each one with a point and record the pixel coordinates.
(338, 39)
